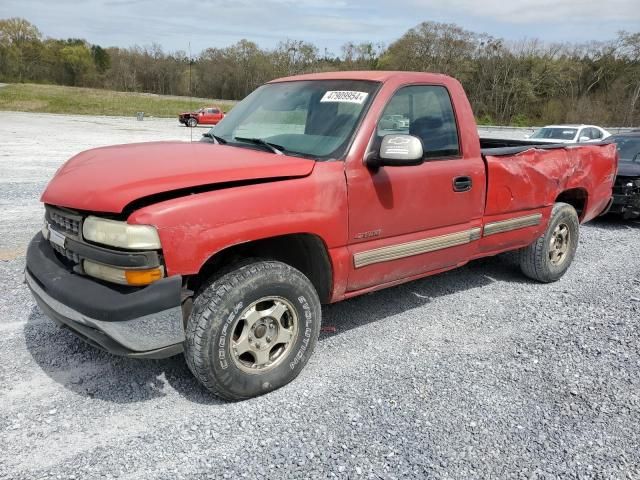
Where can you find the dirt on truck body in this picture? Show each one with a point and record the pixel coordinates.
(225, 249)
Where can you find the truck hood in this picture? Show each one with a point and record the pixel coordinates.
(109, 178)
(628, 169)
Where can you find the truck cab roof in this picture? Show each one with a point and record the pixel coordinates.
(375, 76)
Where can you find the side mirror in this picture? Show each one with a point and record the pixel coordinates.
(398, 151)
(583, 139)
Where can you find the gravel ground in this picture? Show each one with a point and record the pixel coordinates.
(475, 373)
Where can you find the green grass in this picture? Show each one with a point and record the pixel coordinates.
(90, 101)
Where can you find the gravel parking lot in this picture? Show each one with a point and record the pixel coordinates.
(475, 373)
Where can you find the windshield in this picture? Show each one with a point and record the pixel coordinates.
(554, 133)
(628, 148)
(311, 118)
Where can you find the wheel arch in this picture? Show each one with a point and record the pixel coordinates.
(577, 198)
(306, 252)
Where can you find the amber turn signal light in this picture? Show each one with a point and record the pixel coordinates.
(143, 277)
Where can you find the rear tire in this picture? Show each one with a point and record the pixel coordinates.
(252, 330)
(192, 122)
(549, 257)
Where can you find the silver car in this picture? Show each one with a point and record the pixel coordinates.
(394, 122)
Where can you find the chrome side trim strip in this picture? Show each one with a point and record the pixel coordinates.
(512, 224)
(417, 247)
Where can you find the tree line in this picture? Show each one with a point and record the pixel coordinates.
(518, 83)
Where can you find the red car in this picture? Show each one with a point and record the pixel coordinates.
(225, 249)
(204, 116)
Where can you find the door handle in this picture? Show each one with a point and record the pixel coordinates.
(462, 184)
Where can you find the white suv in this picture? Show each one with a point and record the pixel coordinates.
(570, 134)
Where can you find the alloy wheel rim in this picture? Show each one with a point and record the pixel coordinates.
(264, 334)
(559, 244)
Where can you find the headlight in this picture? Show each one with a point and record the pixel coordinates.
(120, 234)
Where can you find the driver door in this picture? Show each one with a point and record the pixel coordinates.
(406, 221)
(207, 116)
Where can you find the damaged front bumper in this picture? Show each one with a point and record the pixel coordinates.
(145, 322)
(626, 197)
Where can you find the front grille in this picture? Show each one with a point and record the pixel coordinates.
(68, 223)
(65, 222)
(626, 185)
(619, 187)
(66, 253)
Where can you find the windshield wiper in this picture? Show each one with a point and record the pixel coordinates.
(272, 147)
(215, 138)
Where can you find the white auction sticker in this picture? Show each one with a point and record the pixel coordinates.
(347, 96)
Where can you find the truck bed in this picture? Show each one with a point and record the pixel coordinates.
(529, 175)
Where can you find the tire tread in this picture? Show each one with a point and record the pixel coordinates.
(533, 259)
(207, 301)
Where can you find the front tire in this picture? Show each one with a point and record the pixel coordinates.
(192, 122)
(252, 330)
(549, 257)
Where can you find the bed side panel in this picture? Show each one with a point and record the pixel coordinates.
(534, 178)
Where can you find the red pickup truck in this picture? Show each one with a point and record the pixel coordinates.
(225, 249)
(205, 116)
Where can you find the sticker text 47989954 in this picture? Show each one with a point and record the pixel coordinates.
(347, 96)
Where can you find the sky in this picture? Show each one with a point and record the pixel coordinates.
(174, 24)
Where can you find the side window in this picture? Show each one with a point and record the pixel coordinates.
(215, 110)
(596, 134)
(585, 132)
(424, 111)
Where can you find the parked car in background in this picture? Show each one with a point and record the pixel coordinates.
(205, 116)
(626, 190)
(570, 134)
(394, 122)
